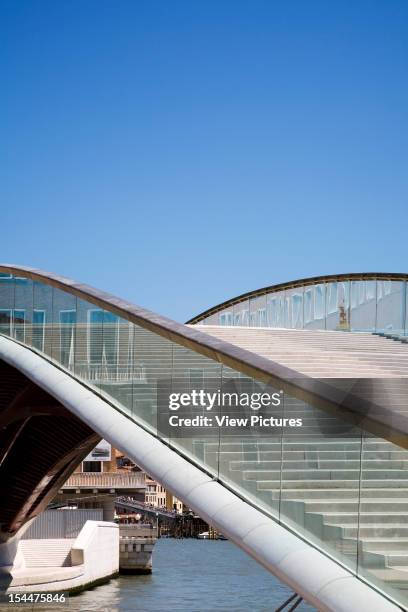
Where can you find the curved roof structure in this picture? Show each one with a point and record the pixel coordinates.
(338, 486)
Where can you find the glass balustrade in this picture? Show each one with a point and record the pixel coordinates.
(347, 305)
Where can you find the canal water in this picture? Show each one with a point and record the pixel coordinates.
(191, 576)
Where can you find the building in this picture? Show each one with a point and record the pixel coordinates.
(158, 497)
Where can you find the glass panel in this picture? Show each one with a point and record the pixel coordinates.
(391, 306)
(338, 306)
(38, 329)
(363, 305)
(6, 303)
(190, 372)
(211, 320)
(115, 374)
(23, 310)
(275, 309)
(250, 462)
(315, 307)
(152, 365)
(383, 517)
(225, 317)
(257, 311)
(42, 317)
(320, 480)
(241, 313)
(64, 321)
(88, 342)
(294, 308)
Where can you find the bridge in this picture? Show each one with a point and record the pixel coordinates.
(144, 508)
(323, 510)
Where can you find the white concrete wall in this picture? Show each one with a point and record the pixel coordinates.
(98, 545)
(94, 556)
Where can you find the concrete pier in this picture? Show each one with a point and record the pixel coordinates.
(136, 544)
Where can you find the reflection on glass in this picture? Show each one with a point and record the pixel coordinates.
(357, 305)
(6, 303)
(241, 313)
(257, 308)
(363, 305)
(338, 306)
(391, 306)
(38, 329)
(225, 317)
(275, 309)
(42, 302)
(293, 317)
(6, 317)
(381, 526)
(315, 307)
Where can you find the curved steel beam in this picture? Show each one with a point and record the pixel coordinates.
(314, 576)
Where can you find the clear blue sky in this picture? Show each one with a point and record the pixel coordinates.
(178, 153)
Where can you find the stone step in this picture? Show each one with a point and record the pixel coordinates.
(389, 558)
(384, 544)
(47, 552)
(309, 495)
(387, 507)
(347, 518)
(374, 530)
(329, 484)
(334, 475)
(289, 455)
(332, 495)
(322, 464)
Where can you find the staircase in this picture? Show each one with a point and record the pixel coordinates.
(344, 490)
(47, 553)
(319, 353)
(351, 503)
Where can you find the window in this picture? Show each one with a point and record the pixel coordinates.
(92, 466)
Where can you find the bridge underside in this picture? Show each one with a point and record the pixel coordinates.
(41, 443)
